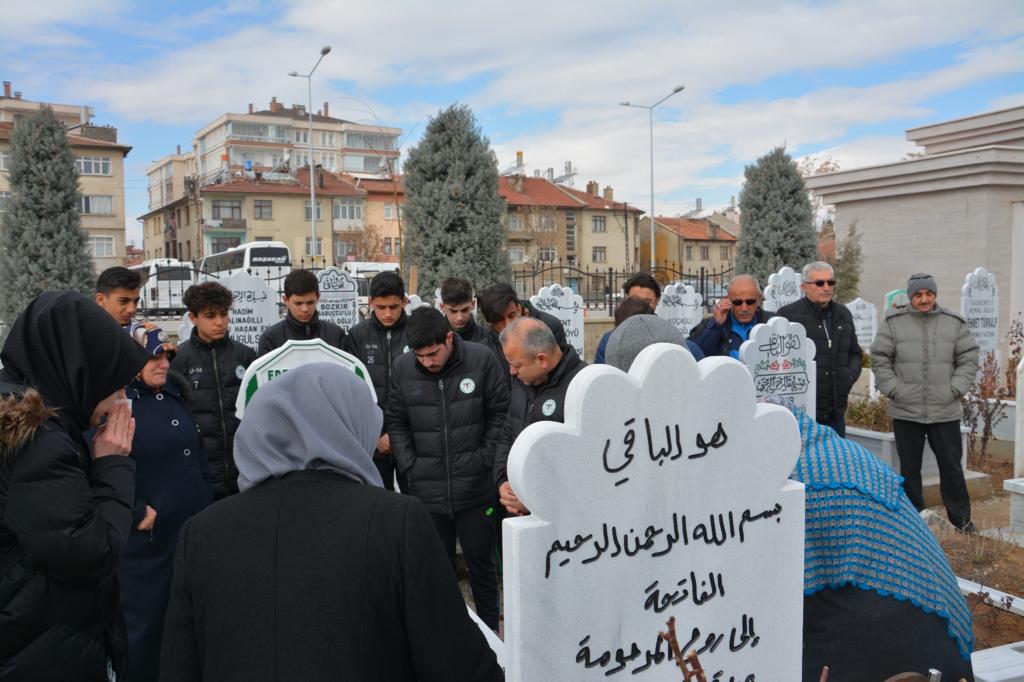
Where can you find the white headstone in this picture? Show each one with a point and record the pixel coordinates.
(865, 321)
(437, 299)
(561, 302)
(339, 297)
(979, 305)
(781, 358)
(663, 494)
(289, 356)
(253, 310)
(782, 289)
(682, 306)
(415, 302)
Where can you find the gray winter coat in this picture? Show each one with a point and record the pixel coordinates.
(924, 362)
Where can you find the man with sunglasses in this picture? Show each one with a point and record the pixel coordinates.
(731, 319)
(830, 325)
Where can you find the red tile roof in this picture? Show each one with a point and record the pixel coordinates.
(7, 129)
(334, 185)
(598, 203)
(536, 192)
(694, 229)
(382, 186)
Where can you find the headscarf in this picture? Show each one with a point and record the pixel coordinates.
(317, 416)
(71, 351)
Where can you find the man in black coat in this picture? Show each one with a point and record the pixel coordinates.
(731, 319)
(458, 305)
(542, 371)
(378, 342)
(500, 305)
(447, 404)
(213, 364)
(830, 325)
(302, 322)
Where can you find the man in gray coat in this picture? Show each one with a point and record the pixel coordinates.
(925, 359)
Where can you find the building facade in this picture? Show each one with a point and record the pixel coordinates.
(688, 244)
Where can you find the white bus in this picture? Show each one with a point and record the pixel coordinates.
(164, 280)
(272, 261)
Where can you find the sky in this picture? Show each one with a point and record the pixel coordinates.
(839, 80)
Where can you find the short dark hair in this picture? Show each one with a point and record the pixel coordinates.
(207, 295)
(644, 280)
(301, 282)
(387, 284)
(117, 278)
(426, 327)
(456, 291)
(494, 299)
(630, 307)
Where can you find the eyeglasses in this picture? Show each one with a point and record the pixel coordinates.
(740, 301)
(822, 282)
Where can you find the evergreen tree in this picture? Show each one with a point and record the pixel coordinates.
(776, 218)
(848, 265)
(453, 211)
(42, 246)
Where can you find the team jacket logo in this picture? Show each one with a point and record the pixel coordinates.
(467, 385)
(548, 408)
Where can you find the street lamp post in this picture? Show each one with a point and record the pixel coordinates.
(312, 184)
(650, 111)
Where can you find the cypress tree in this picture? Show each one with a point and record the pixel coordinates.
(848, 265)
(453, 210)
(42, 245)
(776, 218)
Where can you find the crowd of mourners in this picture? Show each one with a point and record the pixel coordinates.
(148, 534)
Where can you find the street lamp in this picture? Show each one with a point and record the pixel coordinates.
(650, 110)
(312, 185)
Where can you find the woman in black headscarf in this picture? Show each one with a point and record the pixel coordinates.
(66, 511)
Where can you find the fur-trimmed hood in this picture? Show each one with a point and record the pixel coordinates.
(21, 415)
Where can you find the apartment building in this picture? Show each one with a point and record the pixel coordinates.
(100, 161)
(687, 244)
(606, 229)
(379, 237)
(541, 221)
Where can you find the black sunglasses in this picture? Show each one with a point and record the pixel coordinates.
(823, 282)
(740, 301)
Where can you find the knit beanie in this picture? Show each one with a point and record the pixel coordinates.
(635, 334)
(921, 281)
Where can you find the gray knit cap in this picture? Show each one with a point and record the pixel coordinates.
(921, 281)
(635, 334)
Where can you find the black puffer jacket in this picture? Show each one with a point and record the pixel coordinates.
(214, 374)
(529, 404)
(444, 426)
(477, 333)
(553, 323)
(838, 353)
(289, 328)
(378, 347)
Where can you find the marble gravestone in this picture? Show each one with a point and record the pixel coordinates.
(664, 494)
(781, 359)
(437, 299)
(567, 306)
(865, 321)
(681, 305)
(782, 289)
(253, 309)
(339, 297)
(979, 305)
(414, 302)
(896, 299)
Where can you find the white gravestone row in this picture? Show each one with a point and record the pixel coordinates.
(781, 360)
(681, 305)
(782, 289)
(414, 302)
(664, 494)
(339, 297)
(253, 309)
(979, 305)
(561, 302)
(865, 321)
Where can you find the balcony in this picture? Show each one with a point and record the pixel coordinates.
(236, 137)
(224, 224)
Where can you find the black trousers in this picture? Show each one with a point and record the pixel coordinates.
(389, 473)
(944, 439)
(836, 421)
(475, 529)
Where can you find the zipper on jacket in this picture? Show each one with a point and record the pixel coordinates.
(447, 456)
(220, 408)
(387, 363)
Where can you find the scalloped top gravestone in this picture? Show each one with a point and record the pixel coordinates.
(781, 358)
(253, 309)
(681, 305)
(561, 302)
(979, 305)
(415, 302)
(664, 494)
(437, 299)
(339, 297)
(782, 289)
(865, 321)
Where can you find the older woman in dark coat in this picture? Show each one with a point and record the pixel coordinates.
(315, 572)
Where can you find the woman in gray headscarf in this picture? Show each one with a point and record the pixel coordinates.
(315, 572)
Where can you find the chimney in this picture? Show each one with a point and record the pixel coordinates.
(17, 94)
(250, 107)
(700, 204)
(592, 188)
(7, 88)
(299, 109)
(550, 174)
(536, 172)
(608, 193)
(179, 149)
(326, 110)
(518, 183)
(275, 106)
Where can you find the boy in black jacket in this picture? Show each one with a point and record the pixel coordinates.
(213, 364)
(302, 323)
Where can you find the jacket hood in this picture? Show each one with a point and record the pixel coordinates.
(72, 352)
(21, 415)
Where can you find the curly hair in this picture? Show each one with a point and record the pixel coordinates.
(207, 295)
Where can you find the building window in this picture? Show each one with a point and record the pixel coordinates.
(599, 254)
(705, 253)
(546, 253)
(95, 204)
(227, 208)
(389, 211)
(349, 208)
(344, 250)
(302, 136)
(262, 209)
(4, 198)
(689, 253)
(545, 222)
(93, 165)
(319, 245)
(723, 253)
(598, 223)
(387, 246)
(5, 160)
(319, 211)
(398, 246)
(326, 139)
(514, 221)
(101, 246)
(516, 254)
